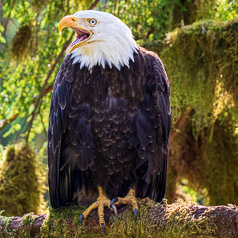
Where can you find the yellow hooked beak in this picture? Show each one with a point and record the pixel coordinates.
(82, 33)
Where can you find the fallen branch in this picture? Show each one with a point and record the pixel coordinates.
(180, 219)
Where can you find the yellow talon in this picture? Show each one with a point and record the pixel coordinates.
(129, 199)
(102, 201)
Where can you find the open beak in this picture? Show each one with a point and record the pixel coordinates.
(82, 33)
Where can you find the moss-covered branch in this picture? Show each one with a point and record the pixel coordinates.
(180, 219)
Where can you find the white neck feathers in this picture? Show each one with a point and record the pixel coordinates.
(101, 54)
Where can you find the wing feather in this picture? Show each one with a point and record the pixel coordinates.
(70, 140)
(153, 123)
(58, 182)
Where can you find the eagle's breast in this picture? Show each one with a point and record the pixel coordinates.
(106, 101)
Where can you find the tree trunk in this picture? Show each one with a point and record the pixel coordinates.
(180, 219)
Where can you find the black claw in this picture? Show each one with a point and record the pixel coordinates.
(114, 208)
(113, 201)
(81, 218)
(103, 227)
(135, 214)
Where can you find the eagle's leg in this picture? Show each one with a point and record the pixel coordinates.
(129, 199)
(102, 201)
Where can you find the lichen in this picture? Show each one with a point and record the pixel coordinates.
(21, 182)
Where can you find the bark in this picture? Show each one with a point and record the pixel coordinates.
(180, 219)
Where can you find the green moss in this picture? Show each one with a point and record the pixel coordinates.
(220, 157)
(22, 231)
(28, 219)
(21, 44)
(59, 220)
(124, 225)
(154, 220)
(201, 61)
(177, 220)
(180, 214)
(21, 183)
(210, 162)
(7, 221)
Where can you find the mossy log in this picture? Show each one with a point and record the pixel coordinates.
(180, 219)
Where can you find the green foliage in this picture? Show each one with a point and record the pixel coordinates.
(148, 19)
(151, 20)
(32, 46)
(187, 12)
(21, 181)
(187, 193)
(226, 9)
(2, 40)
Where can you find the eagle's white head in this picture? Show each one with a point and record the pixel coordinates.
(101, 39)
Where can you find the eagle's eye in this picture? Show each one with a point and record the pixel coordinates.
(92, 22)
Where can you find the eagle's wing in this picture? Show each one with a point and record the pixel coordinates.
(153, 123)
(59, 182)
(70, 141)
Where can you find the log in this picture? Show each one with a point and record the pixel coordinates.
(180, 219)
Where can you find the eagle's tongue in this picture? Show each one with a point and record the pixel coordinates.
(77, 40)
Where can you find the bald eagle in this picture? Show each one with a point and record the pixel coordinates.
(110, 118)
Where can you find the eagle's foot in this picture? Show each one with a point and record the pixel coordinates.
(129, 199)
(102, 201)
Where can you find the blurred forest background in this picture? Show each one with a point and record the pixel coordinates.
(198, 43)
